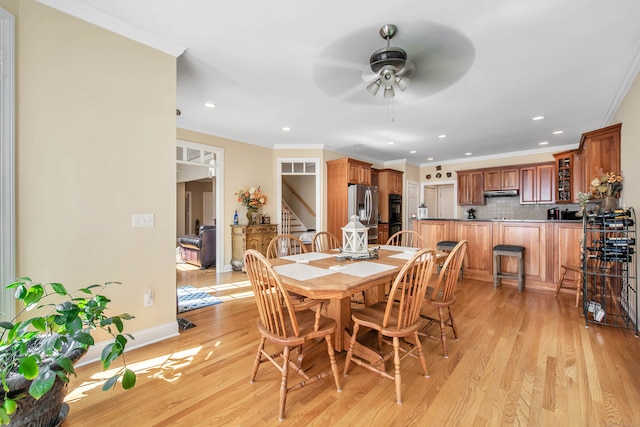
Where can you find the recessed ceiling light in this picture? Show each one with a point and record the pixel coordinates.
(286, 128)
(412, 152)
(543, 142)
(210, 105)
(468, 154)
(537, 118)
(390, 142)
(442, 136)
(558, 132)
(430, 158)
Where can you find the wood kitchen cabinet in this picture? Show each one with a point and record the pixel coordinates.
(341, 173)
(502, 179)
(536, 237)
(245, 237)
(567, 174)
(433, 231)
(383, 233)
(390, 181)
(599, 151)
(537, 184)
(470, 188)
(478, 262)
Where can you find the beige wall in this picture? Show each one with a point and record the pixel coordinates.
(628, 114)
(91, 105)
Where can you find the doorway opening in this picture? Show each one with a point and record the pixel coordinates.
(200, 194)
(440, 200)
(298, 195)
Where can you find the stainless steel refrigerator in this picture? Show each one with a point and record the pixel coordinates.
(363, 201)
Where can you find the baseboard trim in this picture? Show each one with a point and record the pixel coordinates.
(142, 339)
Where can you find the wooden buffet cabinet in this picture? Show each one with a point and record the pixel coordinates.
(548, 245)
(245, 237)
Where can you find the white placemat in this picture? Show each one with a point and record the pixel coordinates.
(403, 255)
(398, 248)
(302, 271)
(364, 268)
(309, 256)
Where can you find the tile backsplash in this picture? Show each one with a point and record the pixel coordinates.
(510, 208)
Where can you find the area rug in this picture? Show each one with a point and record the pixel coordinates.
(190, 298)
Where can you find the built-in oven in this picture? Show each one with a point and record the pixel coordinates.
(395, 213)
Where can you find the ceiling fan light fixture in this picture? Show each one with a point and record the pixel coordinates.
(402, 82)
(389, 92)
(374, 86)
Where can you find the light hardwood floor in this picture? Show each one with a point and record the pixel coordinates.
(522, 359)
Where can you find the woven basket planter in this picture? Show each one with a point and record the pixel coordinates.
(46, 411)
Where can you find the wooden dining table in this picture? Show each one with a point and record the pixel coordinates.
(321, 275)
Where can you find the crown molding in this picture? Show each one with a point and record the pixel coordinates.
(115, 25)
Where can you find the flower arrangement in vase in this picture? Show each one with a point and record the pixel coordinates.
(607, 186)
(253, 199)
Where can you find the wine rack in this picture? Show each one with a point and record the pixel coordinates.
(609, 263)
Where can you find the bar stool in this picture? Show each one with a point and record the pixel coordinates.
(575, 269)
(447, 246)
(498, 274)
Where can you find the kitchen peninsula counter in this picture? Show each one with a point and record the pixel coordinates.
(548, 245)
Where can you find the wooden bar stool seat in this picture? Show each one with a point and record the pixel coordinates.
(508, 250)
(574, 268)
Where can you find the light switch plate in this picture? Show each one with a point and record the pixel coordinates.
(142, 220)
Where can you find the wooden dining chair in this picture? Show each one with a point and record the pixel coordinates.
(442, 296)
(397, 318)
(285, 244)
(286, 325)
(325, 241)
(408, 238)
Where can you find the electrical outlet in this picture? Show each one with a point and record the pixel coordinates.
(142, 220)
(148, 298)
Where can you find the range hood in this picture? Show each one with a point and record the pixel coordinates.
(501, 193)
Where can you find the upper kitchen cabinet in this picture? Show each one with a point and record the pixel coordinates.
(470, 188)
(389, 182)
(501, 179)
(359, 172)
(599, 151)
(537, 183)
(568, 175)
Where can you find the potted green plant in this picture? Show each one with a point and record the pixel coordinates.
(37, 354)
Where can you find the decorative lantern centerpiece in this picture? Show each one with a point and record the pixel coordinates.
(422, 211)
(355, 238)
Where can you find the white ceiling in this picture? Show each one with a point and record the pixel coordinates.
(483, 70)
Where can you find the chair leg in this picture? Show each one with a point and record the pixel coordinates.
(352, 344)
(396, 363)
(564, 273)
(283, 382)
(443, 334)
(257, 361)
(453, 324)
(423, 362)
(332, 360)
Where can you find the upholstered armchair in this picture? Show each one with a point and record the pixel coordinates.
(200, 250)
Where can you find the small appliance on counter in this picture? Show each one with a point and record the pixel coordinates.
(568, 215)
(553, 213)
(471, 214)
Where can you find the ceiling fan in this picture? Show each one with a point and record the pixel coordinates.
(441, 54)
(390, 64)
